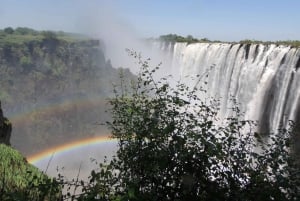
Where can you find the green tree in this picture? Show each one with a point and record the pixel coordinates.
(9, 30)
(177, 38)
(50, 41)
(173, 147)
(25, 31)
(49, 35)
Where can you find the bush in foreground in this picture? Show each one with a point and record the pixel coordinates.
(173, 147)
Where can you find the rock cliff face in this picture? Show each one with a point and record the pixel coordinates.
(54, 88)
(5, 128)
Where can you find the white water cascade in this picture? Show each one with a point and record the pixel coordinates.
(263, 79)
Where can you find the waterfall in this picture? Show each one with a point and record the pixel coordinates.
(263, 79)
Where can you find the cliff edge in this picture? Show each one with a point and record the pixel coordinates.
(5, 128)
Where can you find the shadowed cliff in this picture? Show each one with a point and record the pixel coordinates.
(5, 128)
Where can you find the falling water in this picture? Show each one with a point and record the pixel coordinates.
(263, 79)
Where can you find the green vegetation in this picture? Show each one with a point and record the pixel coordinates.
(23, 35)
(190, 39)
(42, 68)
(22, 181)
(292, 43)
(176, 38)
(171, 148)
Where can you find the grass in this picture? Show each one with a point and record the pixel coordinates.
(19, 179)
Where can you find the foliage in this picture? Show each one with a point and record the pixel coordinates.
(25, 31)
(190, 39)
(173, 147)
(22, 181)
(41, 70)
(176, 38)
(23, 35)
(8, 30)
(292, 43)
(49, 35)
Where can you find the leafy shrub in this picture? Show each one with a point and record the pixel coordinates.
(173, 147)
(9, 30)
(22, 181)
(177, 38)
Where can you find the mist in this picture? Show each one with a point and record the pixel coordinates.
(76, 109)
(107, 23)
(98, 20)
(77, 162)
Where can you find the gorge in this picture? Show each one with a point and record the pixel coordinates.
(55, 89)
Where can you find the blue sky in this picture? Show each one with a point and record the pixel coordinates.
(214, 19)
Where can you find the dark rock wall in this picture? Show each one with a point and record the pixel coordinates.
(5, 128)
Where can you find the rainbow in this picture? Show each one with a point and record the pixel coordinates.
(26, 118)
(33, 159)
(21, 119)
